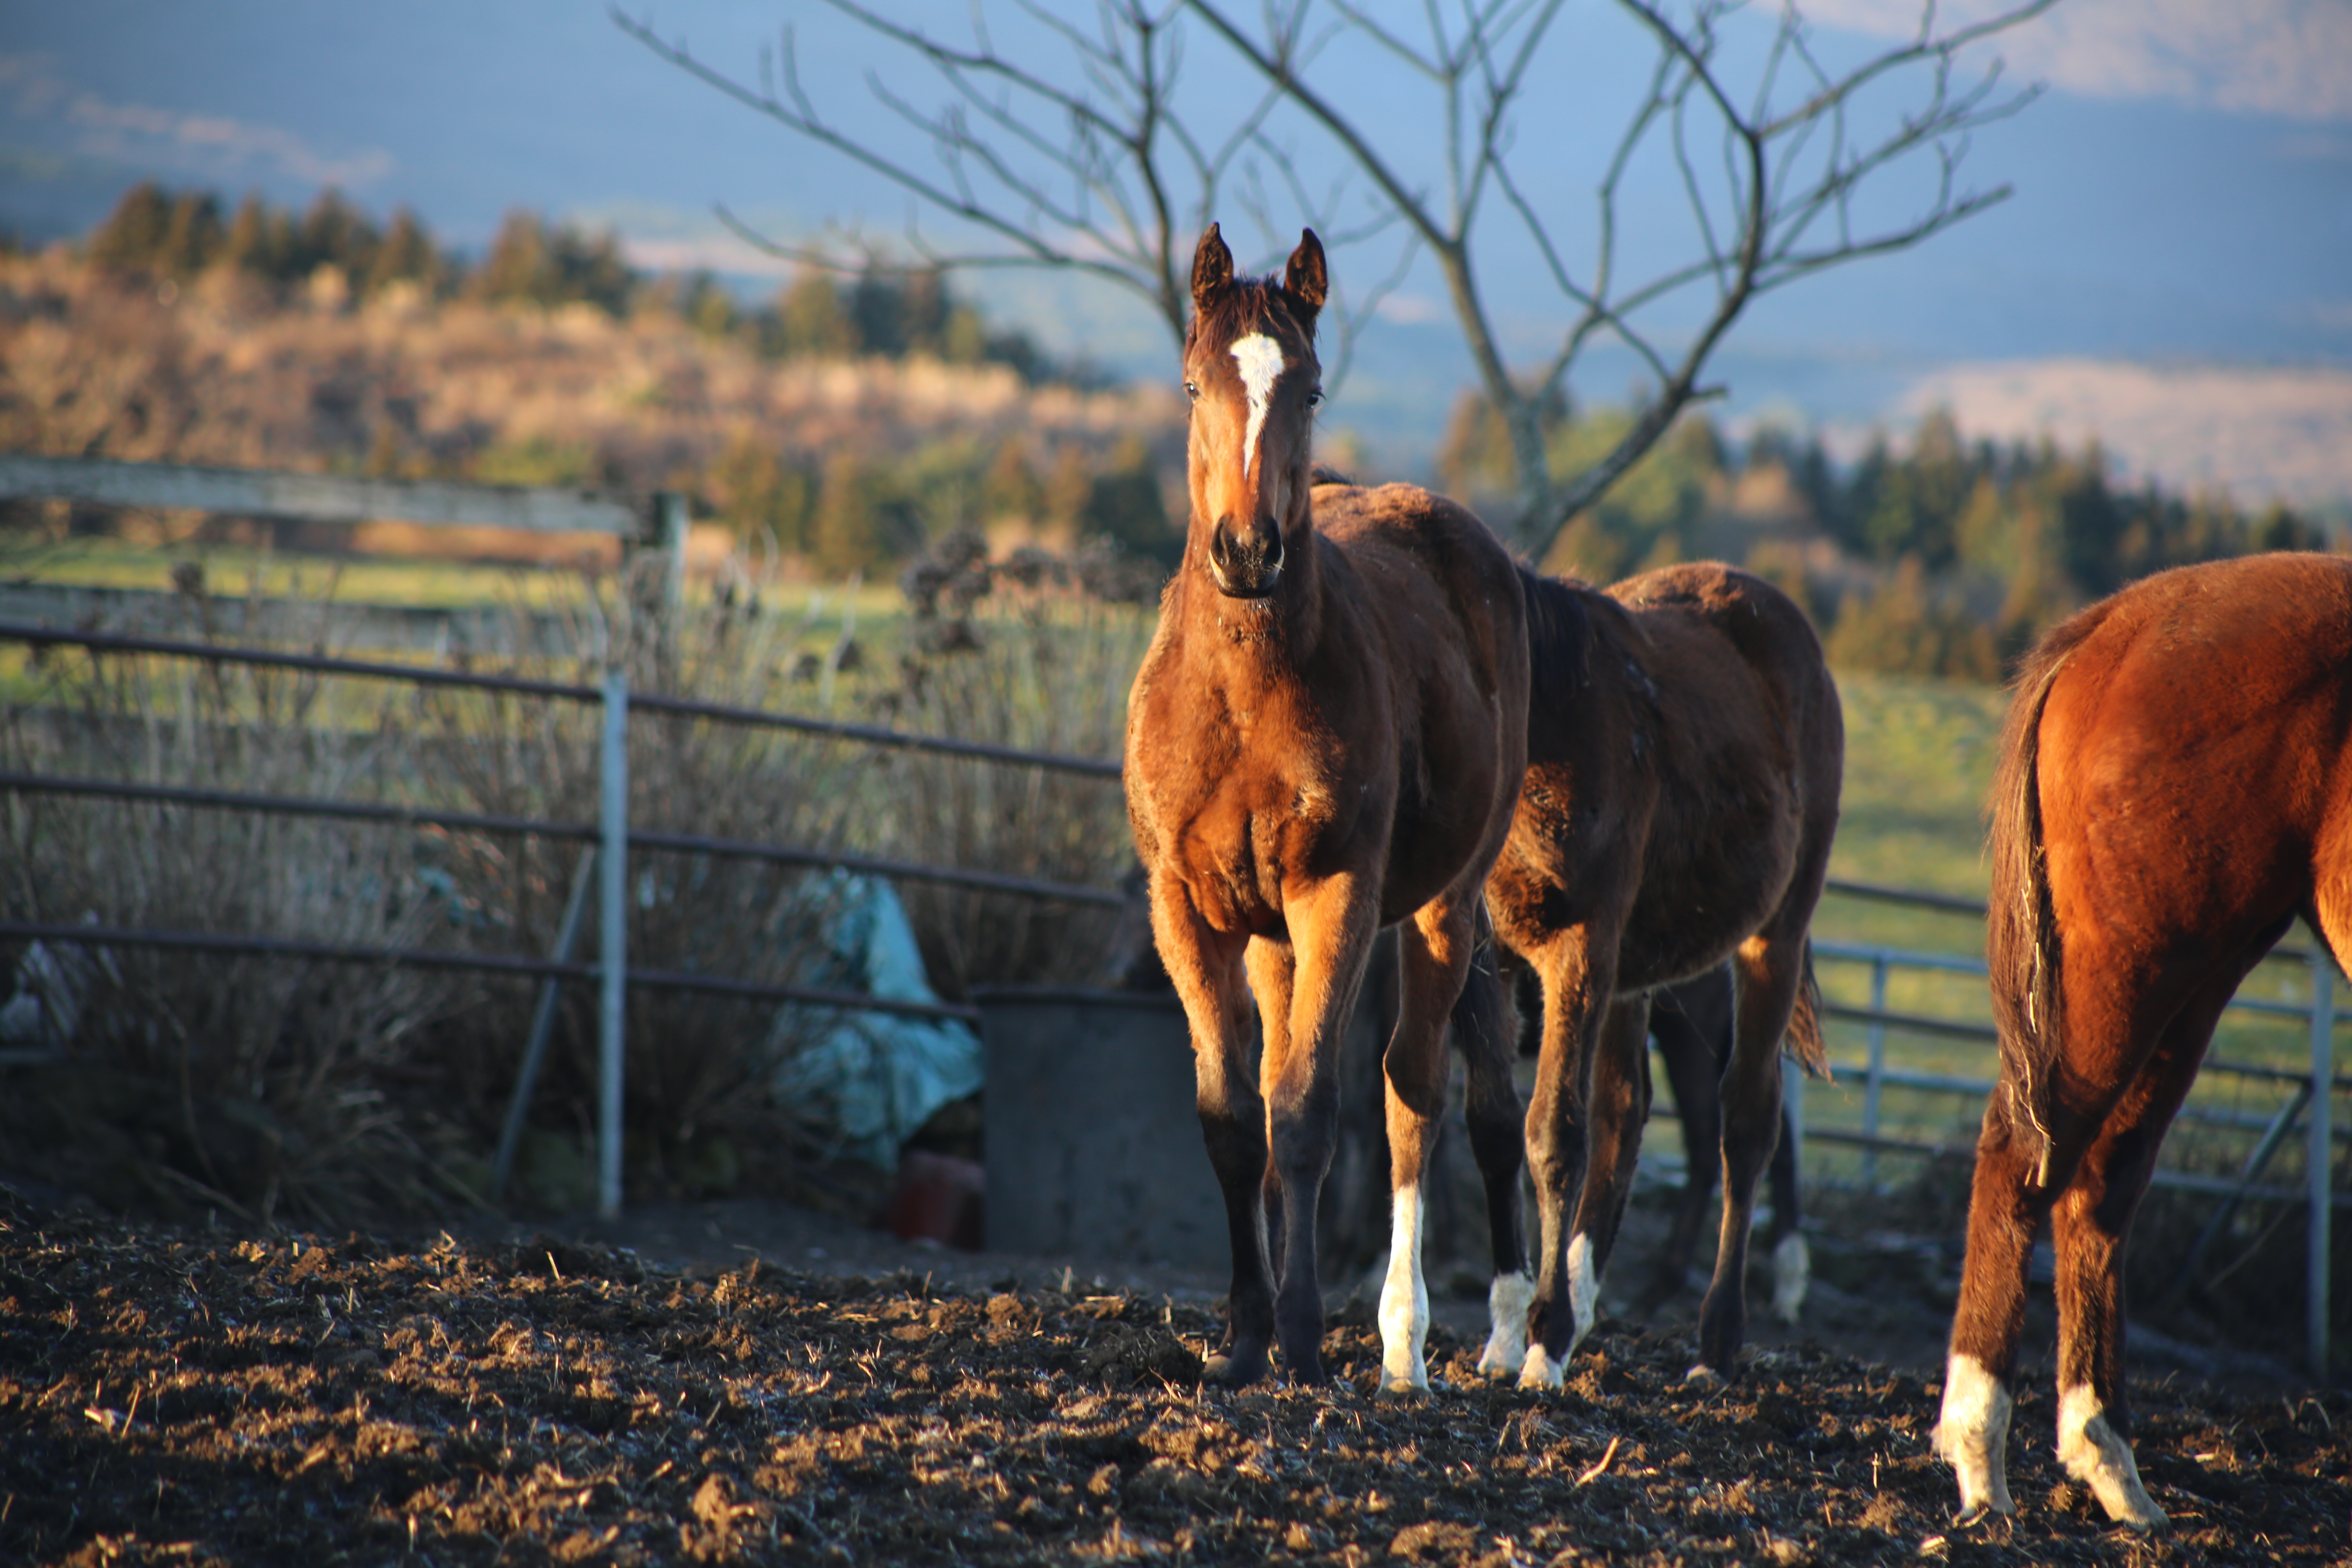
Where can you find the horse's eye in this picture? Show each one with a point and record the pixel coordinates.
(1314, 398)
(1193, 390)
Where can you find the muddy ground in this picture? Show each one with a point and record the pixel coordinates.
(193, 1397)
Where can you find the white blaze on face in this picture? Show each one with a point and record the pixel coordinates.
(1262, 365)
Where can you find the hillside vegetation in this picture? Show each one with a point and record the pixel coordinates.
(849, 423)
(846, 425)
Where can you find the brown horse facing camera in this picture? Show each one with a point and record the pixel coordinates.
(1326, 737)
(2175, 787)
(1684, 750)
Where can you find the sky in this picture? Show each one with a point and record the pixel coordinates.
(2172, 272)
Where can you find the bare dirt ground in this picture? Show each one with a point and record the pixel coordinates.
(757, 1383)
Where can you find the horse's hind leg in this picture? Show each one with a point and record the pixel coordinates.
(2088, 1227)
(1575, 995)
(1435, 957)
(1693, 1064)
(1770, 972)
(2004, 1211)
(1496, 1141)
(1792, 1263)
(1620, 1106)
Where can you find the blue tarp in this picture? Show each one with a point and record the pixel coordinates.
(869, 1080)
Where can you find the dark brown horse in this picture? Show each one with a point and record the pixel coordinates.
(1684, 749)
(1326, 737)
(2175, 787)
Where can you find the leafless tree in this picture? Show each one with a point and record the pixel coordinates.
(1100, 165)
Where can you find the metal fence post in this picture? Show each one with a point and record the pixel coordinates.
(542, 1025)
(613, 863)
(1874, 1074)
(2322, 1160)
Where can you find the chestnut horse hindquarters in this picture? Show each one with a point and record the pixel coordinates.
(2175, 787)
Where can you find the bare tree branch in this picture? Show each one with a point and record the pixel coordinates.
(1094, 167)
(1779, 182)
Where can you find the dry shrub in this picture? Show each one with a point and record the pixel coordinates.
(270, 1070)
(352, 1092)
(1017, 654)
(93, 365)
(697, 1111)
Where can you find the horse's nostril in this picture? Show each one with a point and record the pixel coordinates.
(1221, 549)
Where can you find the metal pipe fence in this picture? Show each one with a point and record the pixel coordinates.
(611, 836)
(2311, 1099)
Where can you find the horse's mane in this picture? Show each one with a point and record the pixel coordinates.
(1559, 637)
(2021, 938)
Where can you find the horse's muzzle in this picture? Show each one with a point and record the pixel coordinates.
(1249, 565)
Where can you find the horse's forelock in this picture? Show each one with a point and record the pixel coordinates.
(1246, 306)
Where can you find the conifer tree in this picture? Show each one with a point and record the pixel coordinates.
(406, 254)
(193, 237)
(133, 237)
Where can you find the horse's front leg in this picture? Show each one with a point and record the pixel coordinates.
(1693, 1071)
(1207, 968)
(1331, 929)
(1433, 958)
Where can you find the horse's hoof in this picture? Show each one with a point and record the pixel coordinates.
(1404, 1390)
(1793, 1274)
(1703, 1376)
(1508, 1301)
(1234, 1368)
(1984, 1521)
(1540, 1372)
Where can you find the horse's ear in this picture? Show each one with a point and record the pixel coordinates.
(1213, 267)
(1305, 277)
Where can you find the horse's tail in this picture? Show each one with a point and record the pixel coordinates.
(1803, 1039)
(2021, 939)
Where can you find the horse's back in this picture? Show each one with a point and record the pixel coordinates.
(1753, 710)
(1404, 544)
(1435, 600)
(1698, 612)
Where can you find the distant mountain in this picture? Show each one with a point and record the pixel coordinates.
(2259, 433)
